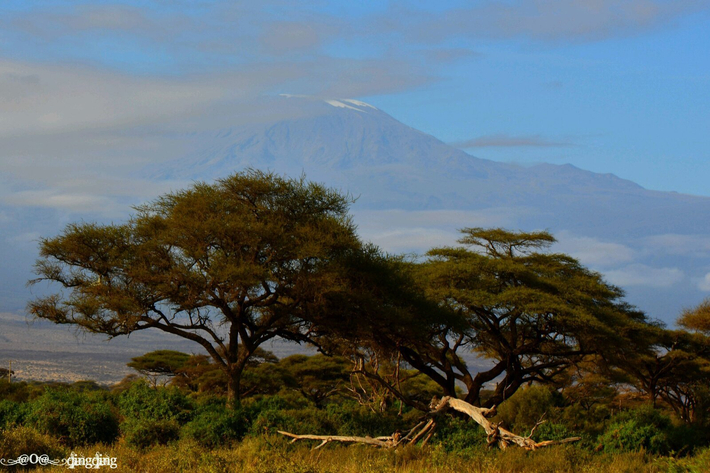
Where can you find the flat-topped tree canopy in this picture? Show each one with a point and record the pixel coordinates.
(228, 265)
(531, 312)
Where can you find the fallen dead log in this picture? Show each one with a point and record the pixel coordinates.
(377, 442)
(496, 434)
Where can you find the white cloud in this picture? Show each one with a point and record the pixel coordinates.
(62, 201)
(594, 252)
(28, 237)
(89, 192)
(643, 275)
(290, 36)
(415, 239)
(550, 20)
(674, 244)
(419, 231)
(42, 99)
(507, 141)
(704, 284)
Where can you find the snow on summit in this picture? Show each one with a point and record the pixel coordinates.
(356, 105)
(351, 104)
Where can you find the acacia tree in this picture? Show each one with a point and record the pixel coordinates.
(671, 365)
(379, 313)
(159, 363)
(316, 377)
(529, 312)
(228, 266)
(527, 315)
(686, 388)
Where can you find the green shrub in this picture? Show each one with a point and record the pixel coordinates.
(19, 391)
(354, 419)
(592, 421)
(140, 401)
(644, 428)
(269, 414)
(11, 413)
(87, 385)
(527, 406)
(74, 418)
(460, 435)
(215, 427)
(685, 438)
(144, 433)
(348, 418)
(269, 420)
(19, 440)
(552, 431)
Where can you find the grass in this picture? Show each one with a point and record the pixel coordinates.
(271, 454)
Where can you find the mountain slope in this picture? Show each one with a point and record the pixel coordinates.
(363, 150)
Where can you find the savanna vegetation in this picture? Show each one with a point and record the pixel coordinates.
(538, 349)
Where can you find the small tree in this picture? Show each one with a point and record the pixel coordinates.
(159, 363)
(684, 387)
(229, 266)
(316, 377)
(672, 365)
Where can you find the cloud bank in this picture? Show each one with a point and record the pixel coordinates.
(507, 141)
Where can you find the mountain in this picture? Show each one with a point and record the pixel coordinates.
(363, 150)
(414, 192)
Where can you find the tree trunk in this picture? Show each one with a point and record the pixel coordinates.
(234, 376)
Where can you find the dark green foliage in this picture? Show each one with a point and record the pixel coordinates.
(578, 419)
(552, 431)
(152, 416)
(353, 419)
(158, 416)
(12, 413)
(144, 433)
(74, 418)
(346, 418)
(87, 385)
(217, 426)
(648, 429)
(316, 377)
(141, 401)
(631, 436)
(528, 406)
(674, 365)
(460, 435)
(530, 312)
(419, 387)
(19, 391)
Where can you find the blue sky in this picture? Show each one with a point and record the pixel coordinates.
(610, 86)
(91, 92)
